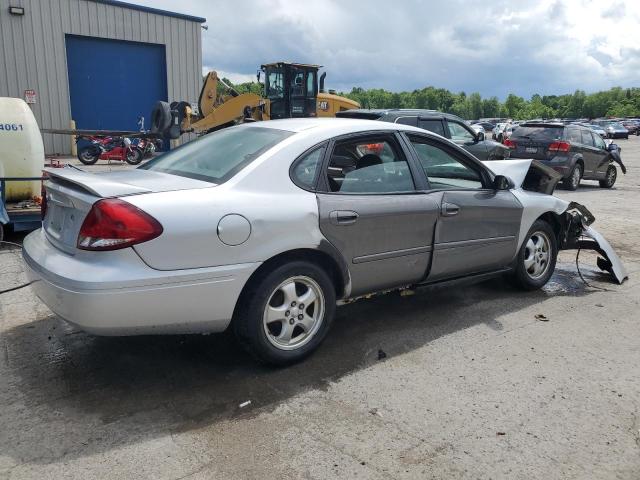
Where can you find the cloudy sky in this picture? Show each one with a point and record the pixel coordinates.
(494, 47)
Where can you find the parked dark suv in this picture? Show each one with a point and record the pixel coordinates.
(445, 124)
(572, 150)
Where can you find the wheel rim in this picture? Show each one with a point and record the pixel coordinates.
(132, 155)
(575, 176)
(537, 255)
(294, 313)
(86, 155)
(611, 175)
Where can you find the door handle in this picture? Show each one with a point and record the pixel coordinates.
(343, 217)
(449, 209)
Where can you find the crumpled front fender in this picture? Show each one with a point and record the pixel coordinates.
(579, 234)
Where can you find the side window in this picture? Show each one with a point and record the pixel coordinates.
(369, 165)
(598, 141)
(413, 121)
(587, 139)
(306, 167)
(574, 136)
(443, 169)
(434, 126)
(459, 134)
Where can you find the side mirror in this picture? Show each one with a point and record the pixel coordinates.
(258, 74)
(500, 182)
(612, 146)
(480, 137)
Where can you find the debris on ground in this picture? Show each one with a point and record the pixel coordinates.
(245, 404)
(500, 433)
(381, 354)
(541, 317)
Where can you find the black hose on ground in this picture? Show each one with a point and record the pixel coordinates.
(12, 289)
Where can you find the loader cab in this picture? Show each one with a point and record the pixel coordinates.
(291, 88)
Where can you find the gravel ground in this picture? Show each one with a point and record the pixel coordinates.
(472, 386)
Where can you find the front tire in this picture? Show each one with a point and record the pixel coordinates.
(537, 257)
(572, 182)
(610, 178)
(284, 315)
(134, 156)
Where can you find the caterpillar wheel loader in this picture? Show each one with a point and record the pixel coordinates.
(291, 90)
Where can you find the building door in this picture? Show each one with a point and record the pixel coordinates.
(113, 82)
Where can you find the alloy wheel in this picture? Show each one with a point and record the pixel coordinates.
(294, 313)
(536, 255)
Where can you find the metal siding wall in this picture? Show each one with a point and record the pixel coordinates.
(33, 55)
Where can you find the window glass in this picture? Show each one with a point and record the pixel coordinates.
(305, 169)
(275, 84)
(598, 141)
(444, 170)
(434, 126)
(311, 85)
(413, 121)
(538, 133)
(371, 165)
(587, 138)
(218, 156)
(575, 136)
(459, 134)
(297, 84)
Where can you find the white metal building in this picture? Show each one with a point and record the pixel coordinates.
(102, 63)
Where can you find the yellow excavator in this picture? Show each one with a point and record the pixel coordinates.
(291, 90)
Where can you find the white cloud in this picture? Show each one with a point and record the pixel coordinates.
(547, 47)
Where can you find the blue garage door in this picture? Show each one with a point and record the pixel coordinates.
(113, 82)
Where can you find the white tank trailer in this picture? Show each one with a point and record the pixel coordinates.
(21, 149)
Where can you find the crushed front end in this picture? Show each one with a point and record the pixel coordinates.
(577, 233)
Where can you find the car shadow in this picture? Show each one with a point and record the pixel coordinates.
(61, 386)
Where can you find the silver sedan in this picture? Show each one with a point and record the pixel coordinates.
(264, 227)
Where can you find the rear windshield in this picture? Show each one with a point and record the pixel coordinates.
(541, 134)
(218, 156)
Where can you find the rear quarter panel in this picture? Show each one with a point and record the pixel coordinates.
(282, 216)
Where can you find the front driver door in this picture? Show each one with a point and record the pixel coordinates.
(466, 138)
(477, 229)
(372, 212)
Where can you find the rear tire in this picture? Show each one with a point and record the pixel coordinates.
(537, 257)
(572, 182)
(89, 154)
(269, 321)
(610, 178)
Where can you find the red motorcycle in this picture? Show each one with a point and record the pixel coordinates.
(109, 148)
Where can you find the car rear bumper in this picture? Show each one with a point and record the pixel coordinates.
(118, 294)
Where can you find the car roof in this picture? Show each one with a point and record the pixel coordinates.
(333, 126)
(398, 112)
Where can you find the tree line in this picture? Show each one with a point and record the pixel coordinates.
(615, 102)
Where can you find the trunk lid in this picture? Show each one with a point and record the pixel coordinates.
(70, 194)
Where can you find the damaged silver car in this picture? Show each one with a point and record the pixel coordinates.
(264, 227)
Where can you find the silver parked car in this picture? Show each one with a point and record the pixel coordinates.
(265, 226)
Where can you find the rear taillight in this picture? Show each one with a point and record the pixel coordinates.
(113, 223)
(510, 143)
(560, 147)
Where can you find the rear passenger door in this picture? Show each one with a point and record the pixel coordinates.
(478, 226)
(373, 209)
